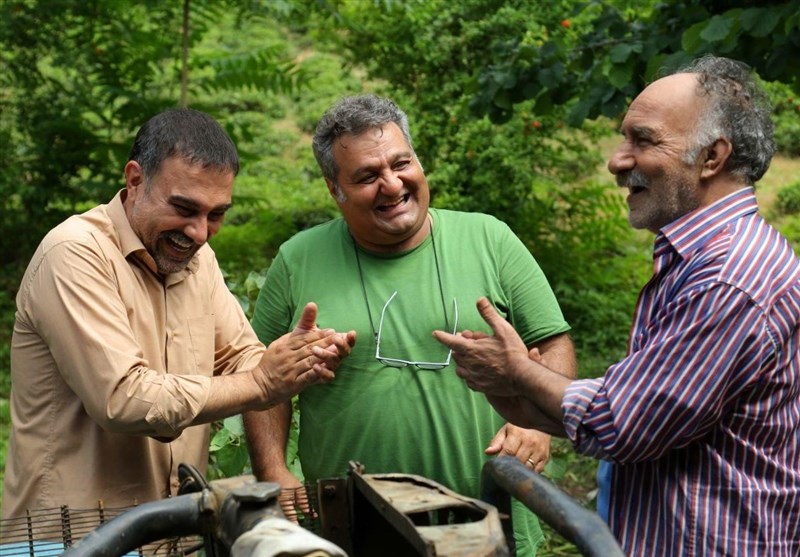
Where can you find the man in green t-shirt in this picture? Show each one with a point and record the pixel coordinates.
(394, 270)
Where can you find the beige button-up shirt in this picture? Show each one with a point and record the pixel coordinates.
(107, 356)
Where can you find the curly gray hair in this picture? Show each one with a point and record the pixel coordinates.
(353, 115)
(739, 110)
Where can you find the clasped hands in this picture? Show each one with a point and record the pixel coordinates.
(305, 356)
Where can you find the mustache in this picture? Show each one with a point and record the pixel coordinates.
(632, 179)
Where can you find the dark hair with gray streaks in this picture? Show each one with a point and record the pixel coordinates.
(739, 110)
(353, 115)
(192, 135)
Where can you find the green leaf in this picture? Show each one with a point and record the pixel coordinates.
(234, 425)
(220, 440)
(718, 28)
(549, 78)
(556, 468)
(760, 22)
(232, 460)
(620, 53)
(691, 41)
(620, 75)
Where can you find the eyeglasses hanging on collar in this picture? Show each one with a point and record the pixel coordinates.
(398, 362)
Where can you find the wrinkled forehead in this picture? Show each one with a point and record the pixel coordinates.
(670, 103)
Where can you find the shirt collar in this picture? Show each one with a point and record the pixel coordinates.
(131, 245)
(691, 231)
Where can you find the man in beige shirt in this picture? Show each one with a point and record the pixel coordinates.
(127, 343)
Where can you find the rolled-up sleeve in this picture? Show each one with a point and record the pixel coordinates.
(138, 353)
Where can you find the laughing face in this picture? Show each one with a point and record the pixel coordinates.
(658, 130)
(382, 190)
(177, 210)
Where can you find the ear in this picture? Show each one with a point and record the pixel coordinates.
(134, 178)
(331, 189)
(716, 156)
(337, 197)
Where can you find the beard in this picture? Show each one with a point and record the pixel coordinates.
(173, 251)
(658, 201)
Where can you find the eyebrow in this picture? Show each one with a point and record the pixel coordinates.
(192, 204)
(639, 131)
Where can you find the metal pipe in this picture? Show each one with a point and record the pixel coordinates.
(506, 475)
(149, 522)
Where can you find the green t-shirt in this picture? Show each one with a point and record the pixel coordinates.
(406, 420)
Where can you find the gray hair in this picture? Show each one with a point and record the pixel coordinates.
(192, 135)
(353, 115)
(739, 110)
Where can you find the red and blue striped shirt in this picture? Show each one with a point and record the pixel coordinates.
(701, 420)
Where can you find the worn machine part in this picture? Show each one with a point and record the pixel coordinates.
(403, 515)
(178, 516)
(221, 512)
(506, 475)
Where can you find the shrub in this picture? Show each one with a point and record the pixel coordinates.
(788, 200)
(786, 115)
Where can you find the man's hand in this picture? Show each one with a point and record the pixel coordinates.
(529, 446)
(488, 364)
(522, 390)
(293, 498)
(306, 356)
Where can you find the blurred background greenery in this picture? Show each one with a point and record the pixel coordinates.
(514, 106)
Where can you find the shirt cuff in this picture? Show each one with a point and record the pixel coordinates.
(575, 405)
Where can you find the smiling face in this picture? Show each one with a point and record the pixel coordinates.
(658, 130)
(383, 193)
(178, 210)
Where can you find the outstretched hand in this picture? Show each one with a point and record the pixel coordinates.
(522, 390)
(488, 363)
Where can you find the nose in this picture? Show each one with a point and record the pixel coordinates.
(621, 160)
(392, 183)
(198, 230)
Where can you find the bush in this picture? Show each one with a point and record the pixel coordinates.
(788, 200)
(786, 115)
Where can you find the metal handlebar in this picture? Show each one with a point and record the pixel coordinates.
(506, 475)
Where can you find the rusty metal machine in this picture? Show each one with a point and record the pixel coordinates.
(359, 515)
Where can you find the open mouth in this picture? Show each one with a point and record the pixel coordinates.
(178, 243)
(636, 189)
(384, 207)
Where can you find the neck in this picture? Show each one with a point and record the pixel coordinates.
(407, 244)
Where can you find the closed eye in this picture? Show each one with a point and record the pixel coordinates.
(185, 211)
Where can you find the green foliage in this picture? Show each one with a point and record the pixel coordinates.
(596, 265)
(786, 116)
(80, 77)
(791, 229)
(605, 52)
(788, 200)
(228, 450)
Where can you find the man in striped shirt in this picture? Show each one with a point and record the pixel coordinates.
(698, 428)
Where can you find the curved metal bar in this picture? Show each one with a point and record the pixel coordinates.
(590, 534)
(149, 522)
